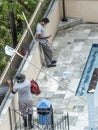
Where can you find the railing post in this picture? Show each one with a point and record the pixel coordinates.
(10, 118)
(52, 118)
(63, 6)
(68, 120)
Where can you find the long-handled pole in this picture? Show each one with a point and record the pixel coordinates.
(36, 65)
(60, 83)
(44, 72)
(10, 51)
(28, 26)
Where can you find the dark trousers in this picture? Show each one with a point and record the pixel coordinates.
(47, 53)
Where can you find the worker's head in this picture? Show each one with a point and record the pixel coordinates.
(20, 78)
(44, 21)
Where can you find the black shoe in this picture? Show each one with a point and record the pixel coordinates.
(53, 61)
(30, 126)
(51, 65)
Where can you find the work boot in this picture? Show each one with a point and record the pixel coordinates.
(30, 126)
(25, 121)
(51, 65)
(53, 61)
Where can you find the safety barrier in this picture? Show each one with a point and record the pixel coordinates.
(46, 122)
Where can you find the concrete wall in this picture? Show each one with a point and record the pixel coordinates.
(5, 122)
(7, 116)
(54, 17)
(85, 9)
(29, 70)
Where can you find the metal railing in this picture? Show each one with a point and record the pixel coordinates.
(39, 121)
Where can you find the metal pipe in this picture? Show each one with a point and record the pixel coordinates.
(10, 118)
(63, 6)
(49, 8)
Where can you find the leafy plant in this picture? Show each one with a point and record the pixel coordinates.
(7, 6)
(17, 7)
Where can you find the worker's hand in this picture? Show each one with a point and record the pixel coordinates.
(8, 81)
(49, 36)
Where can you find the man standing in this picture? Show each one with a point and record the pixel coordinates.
(43, 41)
(25, 98)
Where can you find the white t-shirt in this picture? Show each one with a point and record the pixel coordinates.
(24, 90)
(41, 30)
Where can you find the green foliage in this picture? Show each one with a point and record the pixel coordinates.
(3, 58)
(17, 7)
(7, 6)
(5, 31)
(31, 4)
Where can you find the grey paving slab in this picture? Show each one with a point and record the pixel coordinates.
(71, 48)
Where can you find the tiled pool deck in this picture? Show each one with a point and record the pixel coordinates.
(71, 48)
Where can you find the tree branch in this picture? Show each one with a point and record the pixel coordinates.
(24, 6)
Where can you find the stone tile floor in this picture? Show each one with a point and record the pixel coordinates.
(71, 48)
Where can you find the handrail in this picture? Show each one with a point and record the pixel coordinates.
(62, 123)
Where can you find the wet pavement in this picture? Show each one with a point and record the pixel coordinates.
(58, 84)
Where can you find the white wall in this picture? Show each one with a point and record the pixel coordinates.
(85, 9)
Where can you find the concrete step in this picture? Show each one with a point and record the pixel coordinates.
(69, 23)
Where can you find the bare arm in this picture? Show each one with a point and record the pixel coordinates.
(39, 36)
(10, 86)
